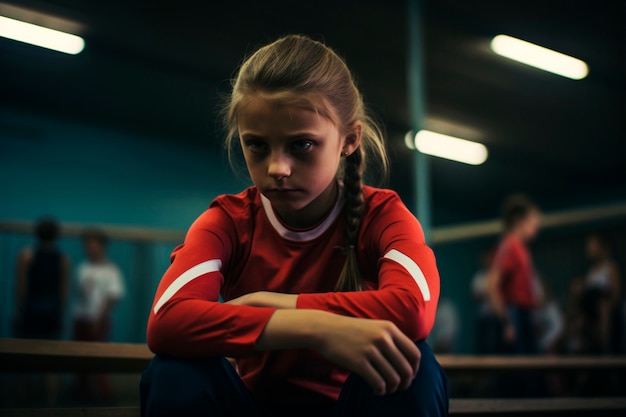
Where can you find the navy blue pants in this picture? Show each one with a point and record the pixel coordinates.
(173, 386)
(525, 337)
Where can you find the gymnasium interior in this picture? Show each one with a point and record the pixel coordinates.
(124, 134)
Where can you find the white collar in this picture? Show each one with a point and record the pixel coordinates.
(304, 235)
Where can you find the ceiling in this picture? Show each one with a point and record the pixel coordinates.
(160, 68)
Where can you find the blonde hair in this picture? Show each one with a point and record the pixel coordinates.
(303, 71)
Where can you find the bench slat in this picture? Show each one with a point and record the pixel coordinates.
(458, 407)
(24, 355)
(472, 363)
(462, 406)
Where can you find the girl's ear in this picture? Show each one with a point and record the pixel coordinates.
(352, 138)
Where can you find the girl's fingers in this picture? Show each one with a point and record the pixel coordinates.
(372, 377)
(401, 365)
(409, 351)
(386, 369)
(404, 370)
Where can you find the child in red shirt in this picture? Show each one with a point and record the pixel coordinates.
(512, 276)
(329, 287)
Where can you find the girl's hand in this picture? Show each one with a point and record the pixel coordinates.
(374, 349)
(266, 299)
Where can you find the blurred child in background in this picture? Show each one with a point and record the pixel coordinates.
(514, 290)
(512, 279)
(100, 286)
(443, 337)
(41, 293)
(487, 324)
(601, 297)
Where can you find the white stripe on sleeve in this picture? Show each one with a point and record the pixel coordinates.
(413, 269)
(189, 275)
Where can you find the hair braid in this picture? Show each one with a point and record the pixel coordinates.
(350, 278)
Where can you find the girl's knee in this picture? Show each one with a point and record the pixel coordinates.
(430, 386)
(427, 395)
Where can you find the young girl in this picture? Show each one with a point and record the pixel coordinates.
(512, 282)
(328, 285)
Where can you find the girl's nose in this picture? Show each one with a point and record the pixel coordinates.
(279, 166)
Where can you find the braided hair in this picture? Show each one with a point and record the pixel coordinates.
(299, 70)
(349, 279)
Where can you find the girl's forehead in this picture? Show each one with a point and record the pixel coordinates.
(309, 101)
(271, 113)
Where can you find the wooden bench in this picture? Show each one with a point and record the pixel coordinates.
(24, 355)
(20, 355)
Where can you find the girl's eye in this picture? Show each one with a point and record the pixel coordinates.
(302, 145)
(257, 146)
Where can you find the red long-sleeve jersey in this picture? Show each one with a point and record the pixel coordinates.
(239, 246)
(514, 262)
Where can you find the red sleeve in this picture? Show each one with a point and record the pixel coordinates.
(408, 280)
(187, 318)
(506, 256)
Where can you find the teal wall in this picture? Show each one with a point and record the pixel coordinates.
(89, 174)
(86, 174)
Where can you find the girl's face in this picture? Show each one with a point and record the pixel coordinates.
(529, 225)
(293, 154)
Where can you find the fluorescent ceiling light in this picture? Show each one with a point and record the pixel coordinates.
(539, 57)
(40, 36)
(449, 147)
